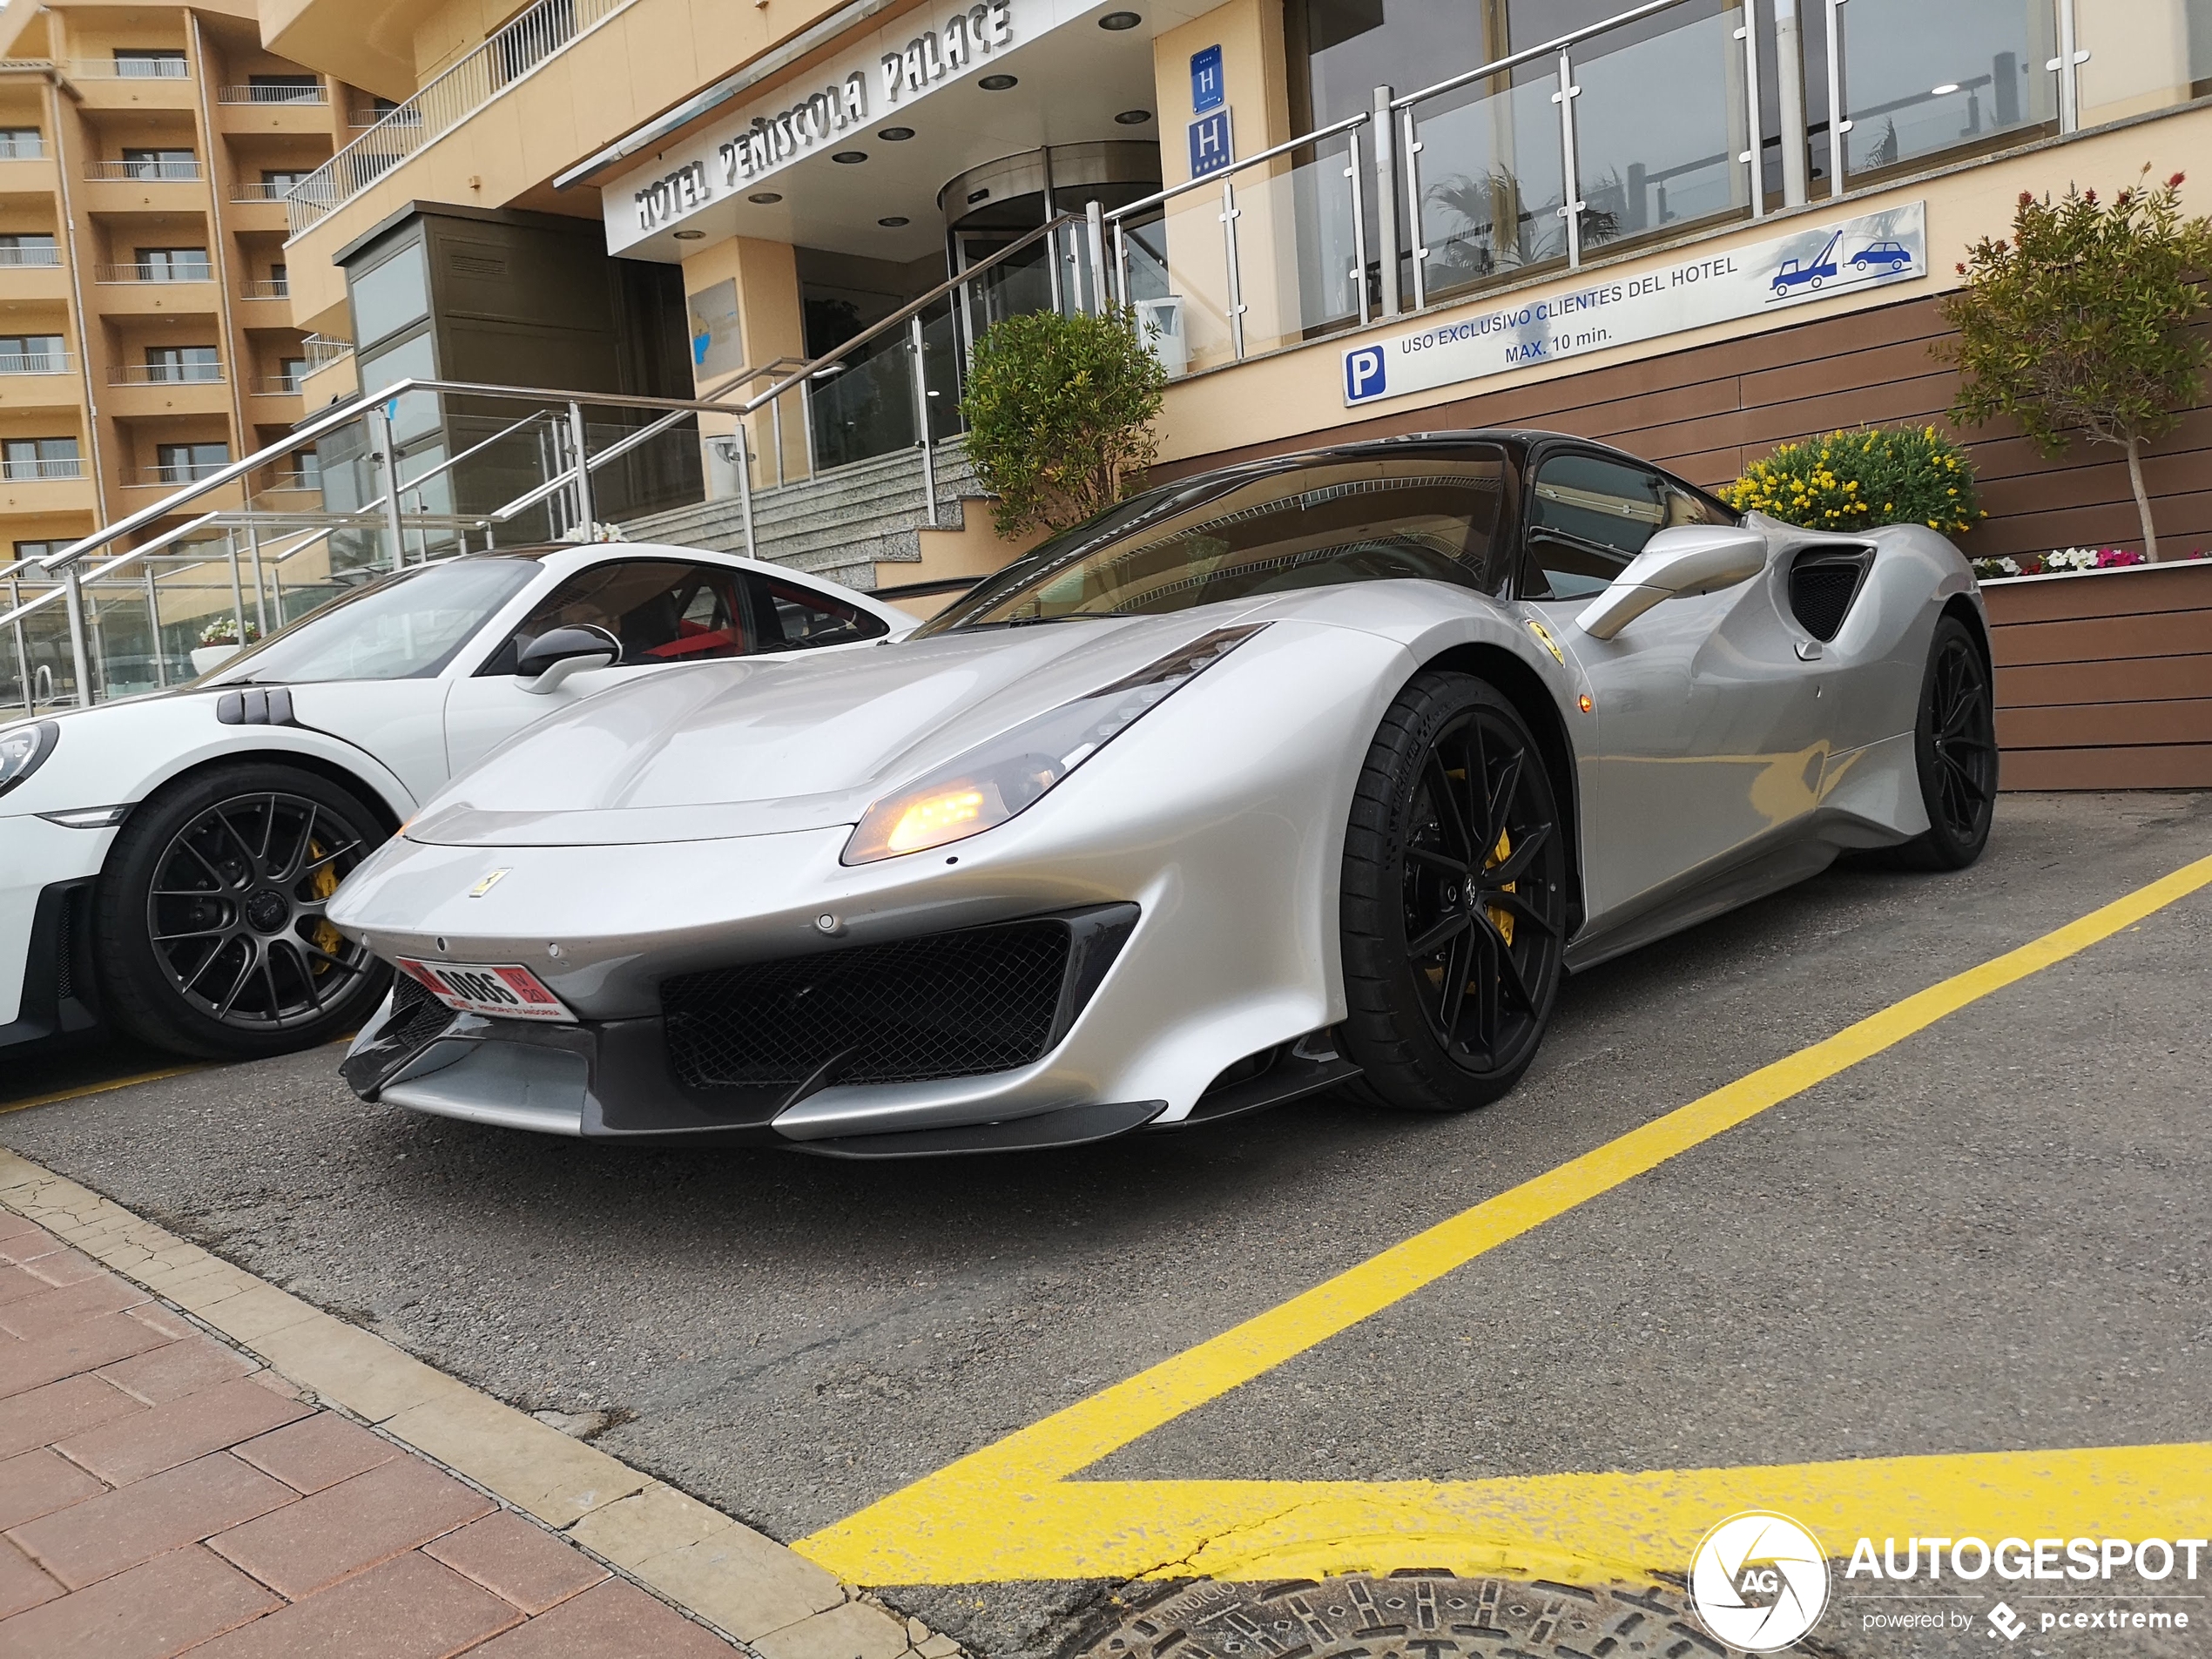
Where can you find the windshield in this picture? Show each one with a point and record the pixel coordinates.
(404, 627)
(1312, 526)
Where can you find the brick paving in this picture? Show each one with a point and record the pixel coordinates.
(162, 1494)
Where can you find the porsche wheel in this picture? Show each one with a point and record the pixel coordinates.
(209, 919)
(1955, 744)
(1454, 899)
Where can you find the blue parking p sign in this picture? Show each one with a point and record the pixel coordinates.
(1364, 376)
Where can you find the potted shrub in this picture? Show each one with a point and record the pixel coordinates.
(218, 643)
(1856, 481)
(1059, 413)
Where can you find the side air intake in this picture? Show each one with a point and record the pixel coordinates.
(1823, 583)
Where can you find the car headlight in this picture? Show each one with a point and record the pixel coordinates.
(23, 749)
(1010, 772)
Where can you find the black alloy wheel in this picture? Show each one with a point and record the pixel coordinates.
(1956, 749)
(209, 918)
(1454, 899)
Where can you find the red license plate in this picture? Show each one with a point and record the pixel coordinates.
(502, 990)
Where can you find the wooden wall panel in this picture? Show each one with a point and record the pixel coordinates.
(2104, 681)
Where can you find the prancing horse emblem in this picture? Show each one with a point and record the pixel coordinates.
(486, 884)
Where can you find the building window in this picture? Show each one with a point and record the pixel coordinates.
(28, 248)
(32, 355)
(284, 89)
(290, 372)
(150, 62)
(21, 144)
(390, 296)
(307, 470)
(167, 363)
(186, 463)
(173, 265)
(160, 164)
(280, 180)
(38, 549)
(28, 458)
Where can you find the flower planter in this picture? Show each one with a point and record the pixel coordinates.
(2104, 677)
(207, 658)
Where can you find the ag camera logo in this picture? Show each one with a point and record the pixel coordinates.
(1759, 1581)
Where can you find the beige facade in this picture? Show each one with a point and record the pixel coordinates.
(142, 186)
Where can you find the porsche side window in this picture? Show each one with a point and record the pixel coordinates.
(1312, 526)
(661, 611)
(795, 618)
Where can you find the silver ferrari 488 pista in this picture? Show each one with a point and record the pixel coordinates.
(1317, 771)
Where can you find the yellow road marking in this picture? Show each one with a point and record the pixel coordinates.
(1010, 1510)
(55, 1098)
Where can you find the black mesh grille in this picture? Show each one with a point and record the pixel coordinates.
(416, 1015)
(947, 1005)
(1821, 589)
(65, 951)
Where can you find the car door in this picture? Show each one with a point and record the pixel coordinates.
(662, 610)
(1707, 726)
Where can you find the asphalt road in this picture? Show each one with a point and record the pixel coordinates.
(1996, 1235)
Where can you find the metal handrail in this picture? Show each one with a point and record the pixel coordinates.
(1215, 178)
(318, 93)
(1529, 54)
(142, 273)
(906, 313)
(144, 172)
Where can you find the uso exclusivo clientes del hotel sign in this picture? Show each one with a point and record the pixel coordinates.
(898, 64)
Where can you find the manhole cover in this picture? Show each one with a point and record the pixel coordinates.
(1411, 1617)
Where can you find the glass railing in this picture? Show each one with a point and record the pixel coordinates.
(1919, 83)
(1488, 183)
(22, 471)
(135, 170)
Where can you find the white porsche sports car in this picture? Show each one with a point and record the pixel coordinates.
(1313, 770)
(164, 860)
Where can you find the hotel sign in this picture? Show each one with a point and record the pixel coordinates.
(888, 70)
(1597, 312)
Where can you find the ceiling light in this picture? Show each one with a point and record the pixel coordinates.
(1119, 20)
(764, 197)
(894, 221)
(1133, 118)
(850, 158)
(895, 135)
(691, 236)
(997, 83)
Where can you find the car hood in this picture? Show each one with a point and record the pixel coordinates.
(763, 746)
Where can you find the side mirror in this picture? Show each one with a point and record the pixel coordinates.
(1689, 558)
(559, 652)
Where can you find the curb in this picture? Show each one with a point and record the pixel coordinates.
(719, 1571)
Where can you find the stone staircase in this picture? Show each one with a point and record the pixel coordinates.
(840, 525)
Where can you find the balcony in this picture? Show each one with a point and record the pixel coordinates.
(102, 171)
(133, 83)
(317, 94)
(541, 33)
(164, 275)
(50, 362)
(279, 386)
(266, 288)
(18, 472)
(44, 259)
(165, 374)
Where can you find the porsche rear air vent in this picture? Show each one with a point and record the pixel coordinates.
(1823, 583)
(944, 1005)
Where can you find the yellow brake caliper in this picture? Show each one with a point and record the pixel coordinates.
(322, 884)
(1502, 919)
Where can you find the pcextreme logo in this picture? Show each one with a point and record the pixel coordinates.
(1758, 1582)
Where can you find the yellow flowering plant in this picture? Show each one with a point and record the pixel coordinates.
(1855, 481)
